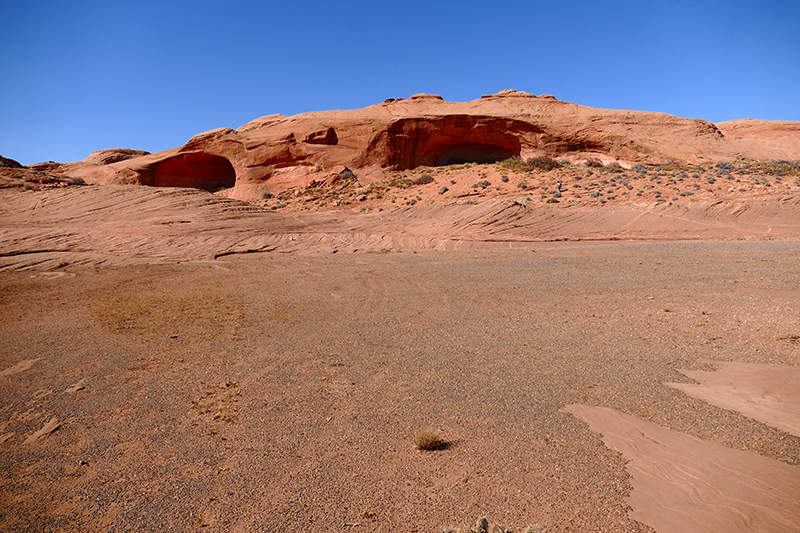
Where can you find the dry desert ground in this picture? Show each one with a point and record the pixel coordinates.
(175, 361)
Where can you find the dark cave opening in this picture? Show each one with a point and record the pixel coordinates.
(197, 170)
(472, 153)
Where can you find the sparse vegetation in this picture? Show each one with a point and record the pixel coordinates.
(542, 163)
(775, 167)
(429, 440)
(483, 526)
(676, 181)
(399, 182)
(422, 180)
(517, 164)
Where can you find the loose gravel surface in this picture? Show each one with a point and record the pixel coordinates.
(284, 393)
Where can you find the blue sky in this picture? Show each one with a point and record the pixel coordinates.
(88, 75)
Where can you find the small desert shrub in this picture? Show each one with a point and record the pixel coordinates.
(518, 164)
(504, 178)
(515, 163)
(641, 169)
(542, 163)
(443, 190)
(593, 162)
(482, 184)
(429, 440)
(422, 180)
(266, 196)
(399, 182)
(483, 526)
(347, 174)
(614, 167)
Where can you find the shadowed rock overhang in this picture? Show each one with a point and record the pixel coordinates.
(197, 170)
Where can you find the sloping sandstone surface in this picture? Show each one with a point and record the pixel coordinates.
(123, 224)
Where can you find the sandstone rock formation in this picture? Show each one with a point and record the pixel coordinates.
(275, 152)
(9, 163)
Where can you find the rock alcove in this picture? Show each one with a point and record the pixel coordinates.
(472, 153)
(443, 141)
(197, 170)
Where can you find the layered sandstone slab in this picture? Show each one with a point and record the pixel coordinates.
(119, 225)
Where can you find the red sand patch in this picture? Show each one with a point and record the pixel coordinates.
(19, 367)
(768, 393)
(682, 483)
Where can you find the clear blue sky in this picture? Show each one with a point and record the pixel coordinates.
(84, 75)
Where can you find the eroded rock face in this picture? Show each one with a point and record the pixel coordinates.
(9, 163)
(113, 155)
(275, 152)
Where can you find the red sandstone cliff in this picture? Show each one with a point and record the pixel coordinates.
(276, 152)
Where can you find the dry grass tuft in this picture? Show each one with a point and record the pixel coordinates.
(483, 526)
(429, 440)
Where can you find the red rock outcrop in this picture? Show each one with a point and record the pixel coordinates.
(9, 163)
(275, 152)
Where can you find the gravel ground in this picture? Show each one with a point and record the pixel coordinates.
(283, 393)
